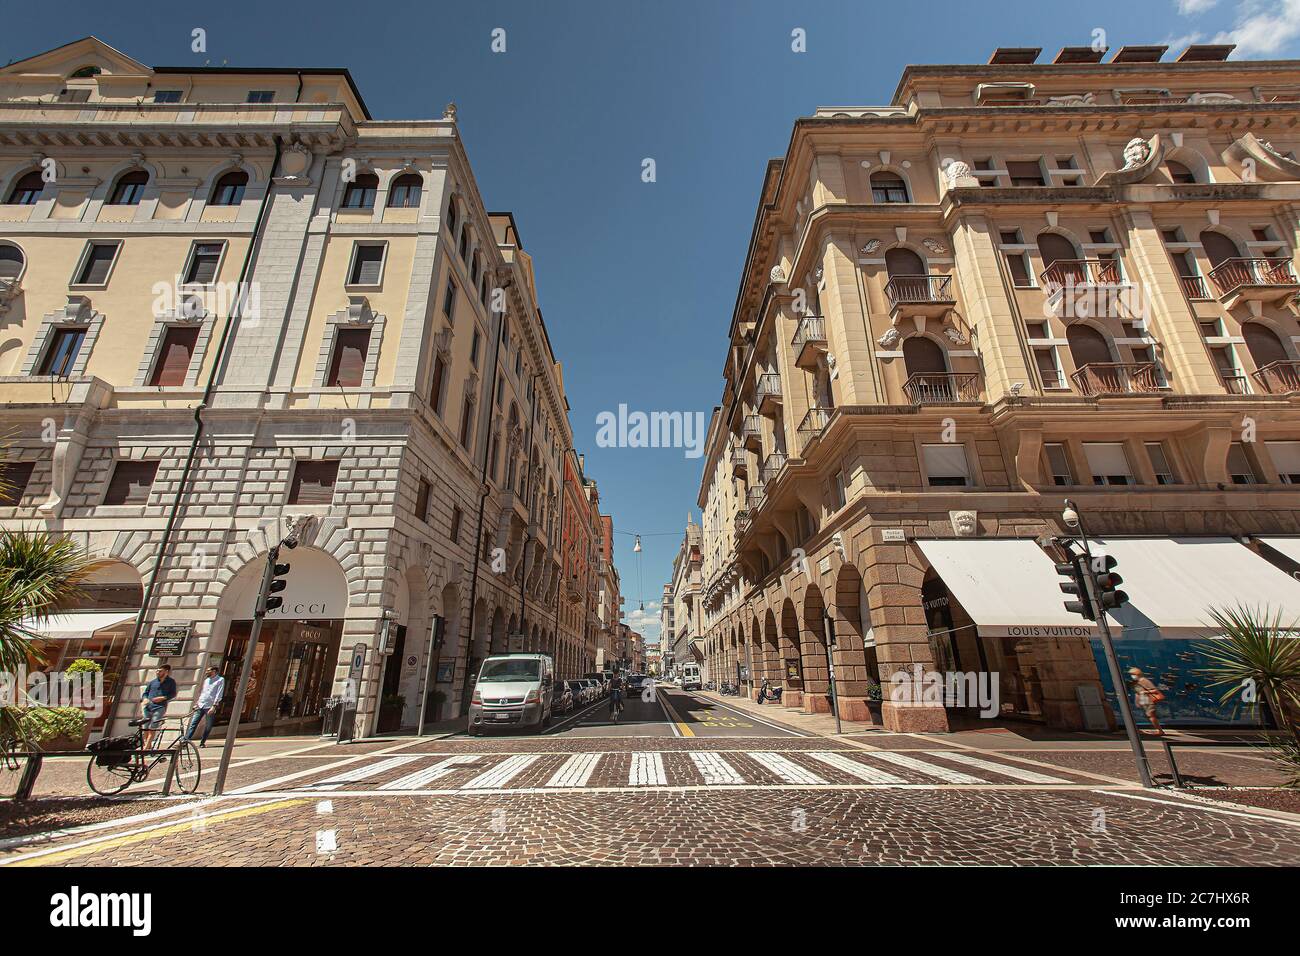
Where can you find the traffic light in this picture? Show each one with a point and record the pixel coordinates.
(1106, 584)
(278, 571)
(1077, 585)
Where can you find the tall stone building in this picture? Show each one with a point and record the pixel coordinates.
(683, 636)
(231, 301)
(1014, 283)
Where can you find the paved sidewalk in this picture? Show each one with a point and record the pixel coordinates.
(823, 724)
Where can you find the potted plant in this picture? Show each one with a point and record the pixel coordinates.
(875, 699)
(390, 712)
(51, 729)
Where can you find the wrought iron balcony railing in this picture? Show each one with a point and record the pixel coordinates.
(772, 466)
(1235, 384)
(809, 341)
(1116, 378)
(754, 499)
(1194, 287)
(751, 433)
(812, 425)
(1072, 273)
(919, 291)
(1233, 275)
(769, 393)
(1279, 378)
(942, 388)
(739, 462)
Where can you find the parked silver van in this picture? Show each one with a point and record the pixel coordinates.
(513, 690)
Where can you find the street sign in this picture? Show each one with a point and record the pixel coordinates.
(169, 640)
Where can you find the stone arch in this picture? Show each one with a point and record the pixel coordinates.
(497, 642)
(1220, 244)
(813, 653)
(891, 170)
(789, 649)
(855, 661)
(1189, 159)
(774, 670)
(104, 190)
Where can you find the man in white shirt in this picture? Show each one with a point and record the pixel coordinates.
(214, 688)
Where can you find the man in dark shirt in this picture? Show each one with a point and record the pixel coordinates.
(158, 693)
(615, 695)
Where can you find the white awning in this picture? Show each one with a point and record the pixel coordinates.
(74, 625)
(1174, 582)
(1287, 546)
(1008, 586)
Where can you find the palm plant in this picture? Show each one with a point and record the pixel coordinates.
(1256, 651)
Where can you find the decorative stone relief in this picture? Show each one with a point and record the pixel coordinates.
(964, 523)
(935, 246)
(954, 336)
(777, 275)
(1136, 153)
(442, 342)
(955, 171)
(890, 339)
(1073, 99)
(449, 112)
(870, 246)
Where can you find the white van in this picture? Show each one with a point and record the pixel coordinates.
(513, 690)
(691, 677)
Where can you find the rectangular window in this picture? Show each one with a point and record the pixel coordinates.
(348, 364)
(166, 96)
(131, 482)
(1240, 468)
(173, 362)
(838, 491)
(1286, 458)
(946, 465)
(204, 259)
(367, 264)
(14, 476)
(1048, 368)
(449, 301)
(492, 457)
(1058, 463)
(1025, 172)
(1018, 266)
(467, 424)
(313, 482)
(61, 353)
(1225, 360)
(261, 96)
(439, 378)
(474, 347)
(1160, 464)
(97, 263)
(455, 524)
(422, 501)
(1108, 463)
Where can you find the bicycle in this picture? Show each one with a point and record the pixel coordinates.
(119, 762)
(615, 705)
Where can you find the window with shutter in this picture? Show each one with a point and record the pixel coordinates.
(360, 193)
(455, 524)
(204, 259)
(348, 365)
(131, 482)
(1108, 463)
(61, 353)
(14, 476)
(1286, 457)
(422, 501)
(97, 263)
(1240, 468)
(174, 355)
(1059, 464)
(313, 482)
(1025, 172)
(945, 465)
(436, 389)
(367, 264)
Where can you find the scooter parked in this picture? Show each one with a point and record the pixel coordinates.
(768, 692)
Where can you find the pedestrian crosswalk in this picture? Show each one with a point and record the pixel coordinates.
(552, 772)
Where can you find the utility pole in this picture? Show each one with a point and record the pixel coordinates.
(830, 664)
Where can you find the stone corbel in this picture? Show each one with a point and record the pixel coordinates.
(442, 342)
(1029, 458)
(359, 312)
(1250, 147)
(1141, 157)
(1210, 446)
(69, 446)
(77, 309)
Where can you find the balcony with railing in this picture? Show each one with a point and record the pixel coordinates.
(942, 388)
(809, 341)
(769, 394)
(742, 524)
(1194, 287)
(754, 498)
(812, 425)
(919, 295)
(1234, 383)
(1065, 274)
(751, 433)
(1261, 280)
(1116, 378)
(772, 466)
(739, 462)
(1279, 378)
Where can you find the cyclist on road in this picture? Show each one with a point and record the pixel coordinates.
(615, 695)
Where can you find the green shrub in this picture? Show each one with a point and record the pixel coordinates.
(36, 725)
(82, 666)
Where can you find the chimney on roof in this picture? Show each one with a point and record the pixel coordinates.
(1015, 54)
(1080, 54)
(1206, 52)
(1139, 54)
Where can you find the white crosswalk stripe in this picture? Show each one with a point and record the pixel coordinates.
(787, 770)
(1019, 773)
(853, 768)
(364, 772)
(575, 772)
(426, 775)
(920, 766)
(647, 771)
(715, 771)
(502, 773)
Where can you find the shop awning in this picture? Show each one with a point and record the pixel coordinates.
(73, 625)
(1287, 546)
(1008, 586)
(1172, 583)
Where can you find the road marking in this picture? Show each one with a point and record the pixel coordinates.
(502, 773)
(575, 772)
(1258, 818)
(929, 769)
(715, 771)
(787, 770)
(364, 772)
(853, 768)
(346, 761)
(426, 775)
(679, 728)
(647, 771)
(1019, 773)
(785, 730)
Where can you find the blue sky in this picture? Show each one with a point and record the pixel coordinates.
(637, 280)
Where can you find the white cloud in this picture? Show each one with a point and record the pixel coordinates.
(1191, 8)
(1178, 43)
(1263, 28)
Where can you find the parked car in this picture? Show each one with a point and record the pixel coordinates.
(581, 692)
(635, 683)
(513, 690)
(602, 682)
(561, 698)
(597, 688)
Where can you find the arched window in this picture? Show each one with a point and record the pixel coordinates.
(1061, 265)
(927, 371)
(1087, 346)
(404, 193)
(360, 193)
(11, 262)
(129, 188)
(1218, 247)
(1179, 172)
(229, 190)
(85, 73)
(27, 190)
(888, 187)
(1264, 346)
(901, 261)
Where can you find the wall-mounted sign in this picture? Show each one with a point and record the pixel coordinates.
(445, 671)
(169, 640)
(792, 671)
(893, 534)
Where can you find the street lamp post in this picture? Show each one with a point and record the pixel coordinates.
(830, 665)
(1074, 519)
